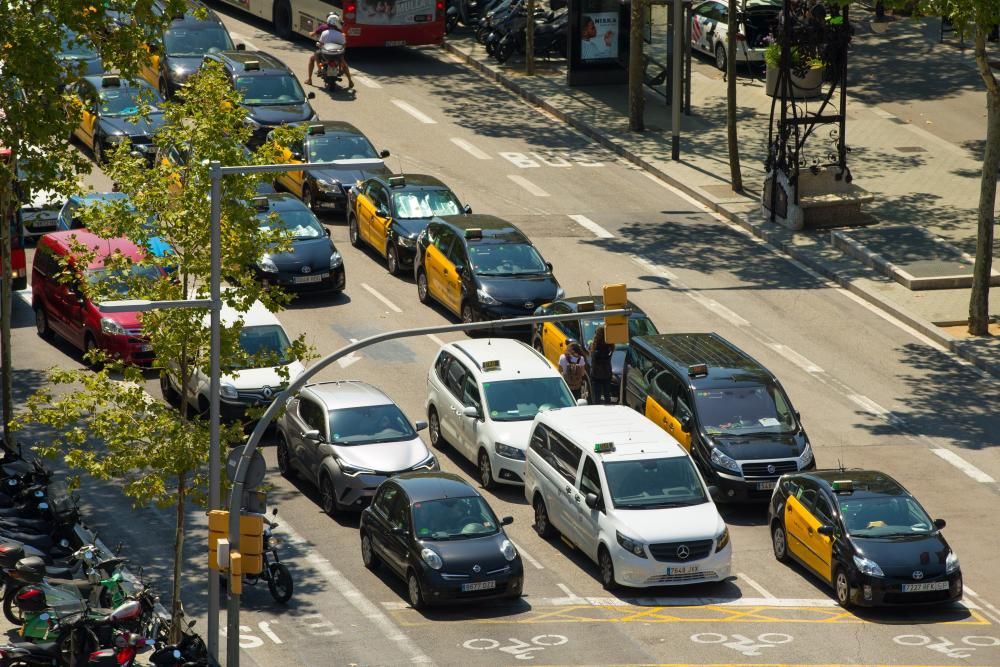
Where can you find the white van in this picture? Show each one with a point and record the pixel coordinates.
(626, 494)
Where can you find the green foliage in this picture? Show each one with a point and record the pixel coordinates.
(965, 15)
(772, 57)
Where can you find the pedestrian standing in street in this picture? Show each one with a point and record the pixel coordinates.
(600, 367)
(573, 366)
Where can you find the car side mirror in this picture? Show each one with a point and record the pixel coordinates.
(274, 511)
(327, 230)
(548, 265)
(470, 411)
(591, 500)
(325, 449)
(241, 46)
(313, 435)
(459, 269)
(311, 95)
(295, 155)
(798, 416)
(506, 521)
(581, 401)
(940, 523)
(420, 425)
(713, 492)
(382, 212)
(686, 423)
(384, 153)
(825, 530)
(467, 209)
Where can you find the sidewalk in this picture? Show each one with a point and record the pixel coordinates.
(926, 188)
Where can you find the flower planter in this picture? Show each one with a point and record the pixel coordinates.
(810, 85)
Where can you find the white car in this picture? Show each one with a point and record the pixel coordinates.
(262, 334)
(627, 495)
(481, 397)
(710, 28)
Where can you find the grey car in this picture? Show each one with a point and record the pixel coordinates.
(347, 437)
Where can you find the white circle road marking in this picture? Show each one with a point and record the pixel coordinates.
(490, 644)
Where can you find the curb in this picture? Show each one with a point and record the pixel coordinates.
(957, 346)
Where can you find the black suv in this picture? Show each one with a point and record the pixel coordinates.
(723, 406)
(271, 93)
(180, 50)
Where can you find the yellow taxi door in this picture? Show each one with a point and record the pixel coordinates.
(378, 221)
(821, 546)
(452, 278)
(434, 264)
(795, 527)
(291, 180)
(150, 70)
(364, 209)
(664, 405)
(553, 342)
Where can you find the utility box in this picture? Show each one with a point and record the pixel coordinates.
(251, 539)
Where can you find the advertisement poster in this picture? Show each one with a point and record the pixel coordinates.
(599, 36)
(395, 12)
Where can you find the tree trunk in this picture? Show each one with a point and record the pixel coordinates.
(636, 70)
(6, 297)
(529, 39)
(979, 301)
(735, 174)
(175, 589)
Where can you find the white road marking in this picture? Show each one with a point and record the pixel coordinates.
(440, 342)
(415, 112)
(984, 605)
(355, 597)
(796, 358)
(375, 293)
(757, 587)
(720, 310)
(350, 359)
(963, 465)
(366, 82)
(520, 160)
(524, 554)
(528, 185)
(570, 595)
(868, 405)
(590, 225)
(395, 605)
(882, 113)
(470, 149)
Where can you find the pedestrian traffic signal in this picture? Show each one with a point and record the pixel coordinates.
(251, 540)
(615, 326)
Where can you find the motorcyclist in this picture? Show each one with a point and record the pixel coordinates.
(331, 32)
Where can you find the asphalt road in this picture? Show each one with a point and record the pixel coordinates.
(872, 394)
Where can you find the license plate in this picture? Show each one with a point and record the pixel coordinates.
(765, 486)
(687, 569)
(396, 42)
(146, 347)
(479, 586)
(299, 280)
(930, 586)
(422, 18)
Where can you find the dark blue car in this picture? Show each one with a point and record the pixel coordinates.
(313, 264)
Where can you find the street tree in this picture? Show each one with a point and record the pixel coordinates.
(35, 125)
(636, 68)
(108, 426)
(732, 28)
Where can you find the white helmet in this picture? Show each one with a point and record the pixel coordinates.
(335, 21)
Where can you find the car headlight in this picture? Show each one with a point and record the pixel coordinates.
(227, 390)
(508, 451)
(560, 292)
(806, 457)
(724, 461)
(328, 185)
(335, 260)
(630, 545)
(432, 559)
(112, 328)
(408, 241)
(267, 264)
(951, 564)
(485, 298)
(429, 463)
(722, 539)
(353, 471)
(508, 550)
(868, 566)
(251, 123)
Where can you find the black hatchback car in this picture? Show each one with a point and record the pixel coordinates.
(272, 95)
(862, 533)
(313, 264)
(108, 107)
(436, 532)
(481, 267)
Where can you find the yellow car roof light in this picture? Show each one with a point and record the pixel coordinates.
(261, 203)
(317, 129)
(604, 447)
(698, 370)
(251, 66)
(397, 181)
(842, 486)
(585, 306)
(474, 233)
(491, 365)
(111, 81)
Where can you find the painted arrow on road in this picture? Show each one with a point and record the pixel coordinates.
(351, 358)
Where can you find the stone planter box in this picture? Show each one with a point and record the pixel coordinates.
(810, 85)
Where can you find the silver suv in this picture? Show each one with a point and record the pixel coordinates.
(346, 437)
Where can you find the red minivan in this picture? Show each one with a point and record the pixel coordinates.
(60, 308)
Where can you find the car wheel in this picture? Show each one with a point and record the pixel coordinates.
(720, 56)
(280, 582)
(328, 495)
(607, 569)
(368, 555)
(284, 458)
(434, 427)
(42, 323)
(842, 588)
(90, 346)
(413, 592)
(170, 394)
(542, 525)
(779, 542)
(308, 199)
(485, 470)
(282, 19)
(352, 230)
(392, 259)
(422, 293)
(98, 150)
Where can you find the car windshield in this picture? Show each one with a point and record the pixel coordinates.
(267, 90)
(744, 410)
(330, 147)
(118, 282)
(453, 519)
(126, 101)
(505, 259)
(883, 516)
(299, 223)
(521, 400)
(637, 326)
(265, 344)
(369, 424)
(654, 483)
(188, 42)
(75, 47)
(425, 203)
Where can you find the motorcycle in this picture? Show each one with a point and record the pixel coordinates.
(274, 572)
(190, 651)
(328, 63)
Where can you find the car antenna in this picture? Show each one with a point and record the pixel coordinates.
(590, 291)
(399, 159)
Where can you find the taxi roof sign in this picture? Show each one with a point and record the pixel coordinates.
(474, 233)
(317, 129)
(491, 365)
(111, 81)
(251, 65)
(696, 370)
(585, 306)
(397, 181)
(260, 203)
(604, 447)
(843, 486)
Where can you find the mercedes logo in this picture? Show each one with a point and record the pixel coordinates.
(267, 392)
(307, 269)
(771, 469)
(918, 574)
(476, 568)
(683, 552)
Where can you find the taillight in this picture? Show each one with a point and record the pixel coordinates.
(350, 11)
(440, 6)
(125, 655)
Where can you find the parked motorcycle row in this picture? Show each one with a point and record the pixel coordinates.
(500, 25)
(76, 603)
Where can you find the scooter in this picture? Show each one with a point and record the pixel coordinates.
(328, 63)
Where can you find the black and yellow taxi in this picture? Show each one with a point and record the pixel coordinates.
(108, 106)
(271, 94)
(331, 141)
(862, 533)
(177, 156)
(551, 338)
(723, 406)
(481, 267)
(388, 213)
(178, 52)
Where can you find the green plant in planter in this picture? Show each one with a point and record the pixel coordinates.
(772, 57)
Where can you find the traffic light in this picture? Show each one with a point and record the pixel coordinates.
(251, 552)
(615, 326)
